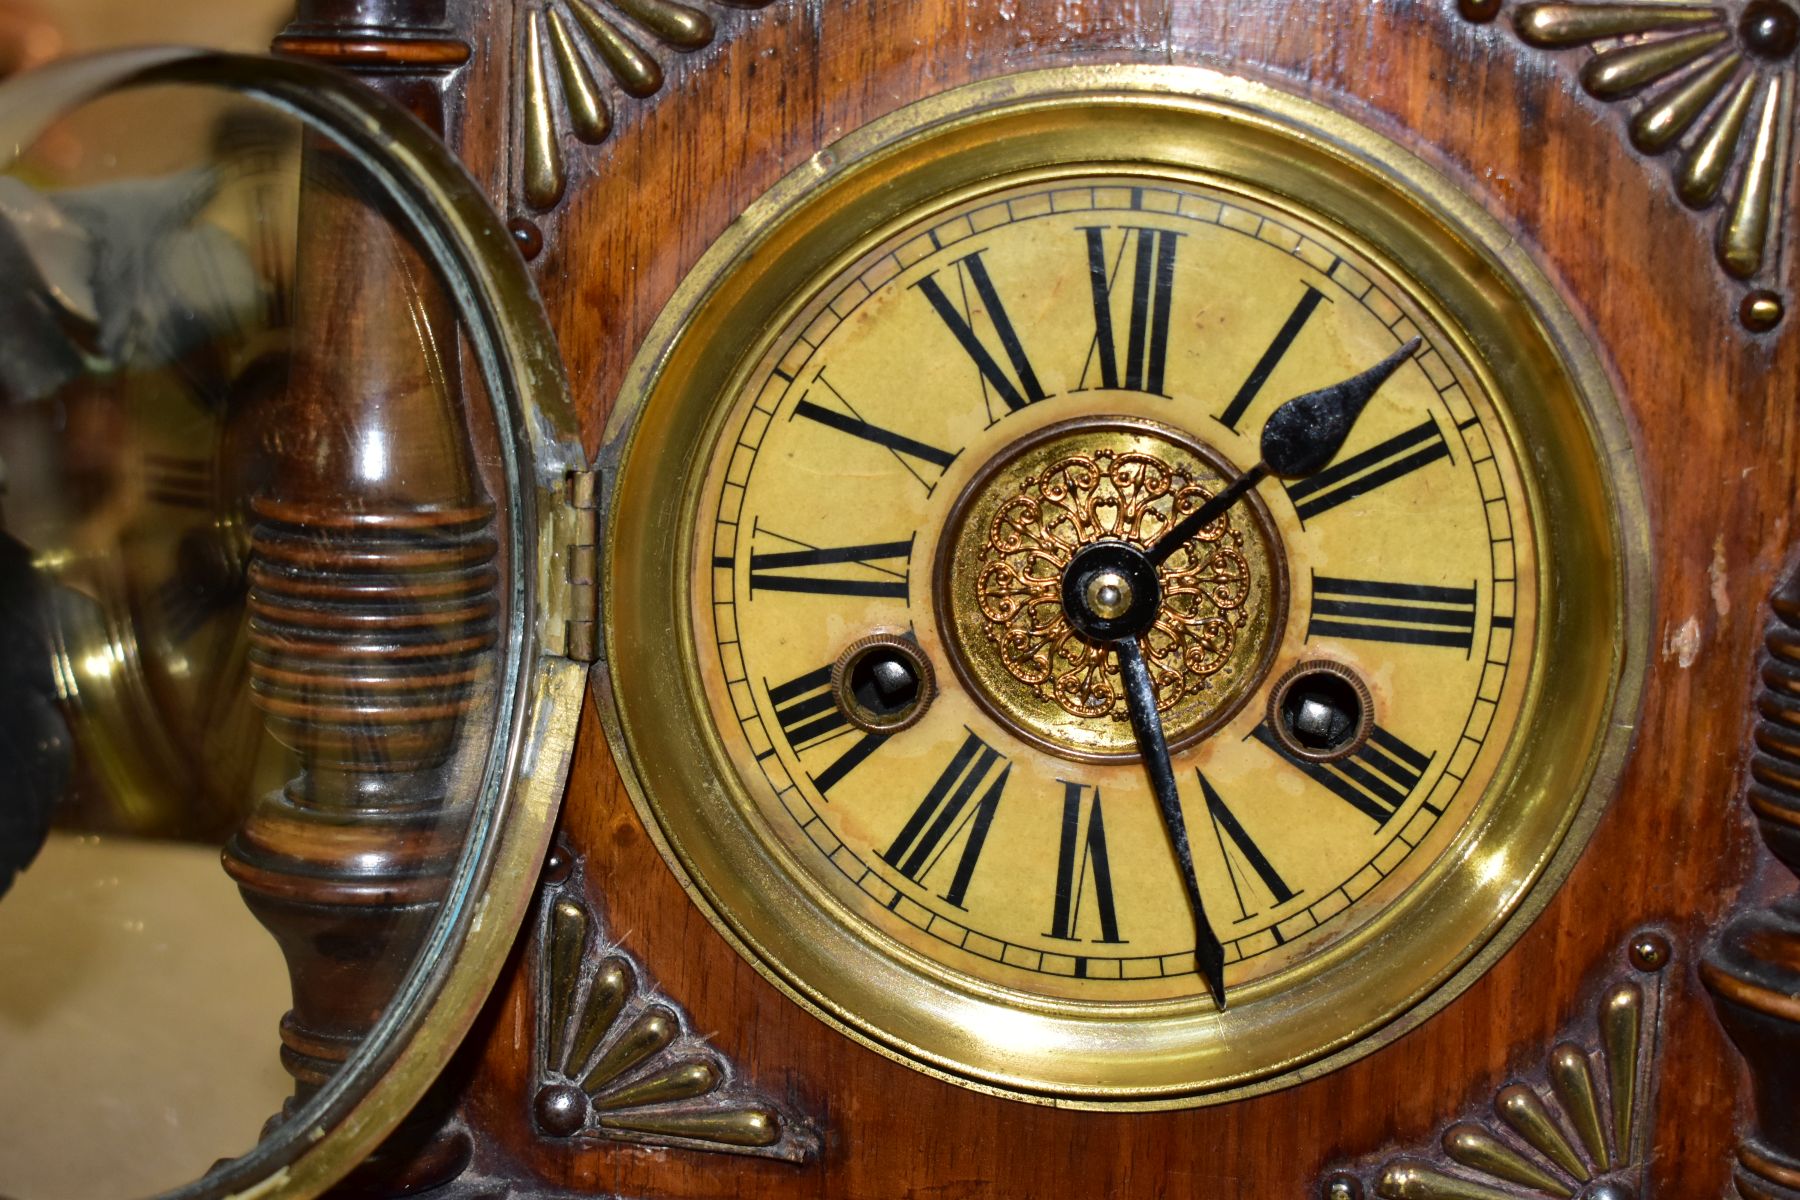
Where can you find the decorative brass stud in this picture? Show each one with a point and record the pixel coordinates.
(1650, 951)
(1761, 311)
(1770, 29)
(557, 864)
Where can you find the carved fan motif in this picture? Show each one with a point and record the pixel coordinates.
(1577, 1128)
(1711, 90)
(617, 1060)
(567, 47)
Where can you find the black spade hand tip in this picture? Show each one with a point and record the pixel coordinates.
(1308, 431)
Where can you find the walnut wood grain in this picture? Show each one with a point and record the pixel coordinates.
(1718, 435)
(373, 596)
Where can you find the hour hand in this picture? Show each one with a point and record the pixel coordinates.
(1298, 439)
(1140, 699)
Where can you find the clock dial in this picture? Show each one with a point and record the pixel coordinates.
(910, 469)
(954, 381)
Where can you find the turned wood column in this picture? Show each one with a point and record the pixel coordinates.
(373, 592)
(1753, 972)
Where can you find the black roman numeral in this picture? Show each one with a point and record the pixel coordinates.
(1015, 390)
(906, 451)
(1078, 857)
(877, 569)
(1375, 780)
(1265, 366)
(1244, 857)
(939, 819)
(809, 716)
(1362, 473)
(1412, 614)
(1152, 282)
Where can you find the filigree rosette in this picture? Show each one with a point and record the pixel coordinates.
(1129, 497)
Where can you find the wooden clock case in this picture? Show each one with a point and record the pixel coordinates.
(611, 219)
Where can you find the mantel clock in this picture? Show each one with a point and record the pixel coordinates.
(873, 600)
(892, 418)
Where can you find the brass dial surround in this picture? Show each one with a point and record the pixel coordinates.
(1464, 277)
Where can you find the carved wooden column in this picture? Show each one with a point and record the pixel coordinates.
(1754, 970)
(373, 592)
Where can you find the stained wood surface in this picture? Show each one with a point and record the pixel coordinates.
(1716, 421)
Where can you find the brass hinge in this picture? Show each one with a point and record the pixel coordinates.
(581, 564)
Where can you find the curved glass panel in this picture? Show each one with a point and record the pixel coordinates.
(267, 627)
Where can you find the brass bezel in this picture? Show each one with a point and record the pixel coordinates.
(1477, 283)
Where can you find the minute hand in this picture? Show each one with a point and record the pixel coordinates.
(1140, 701)
(1299, 438)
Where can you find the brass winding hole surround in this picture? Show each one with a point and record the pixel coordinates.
(843, 671)
(1278, 701)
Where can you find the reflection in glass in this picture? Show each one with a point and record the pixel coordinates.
(248, 603)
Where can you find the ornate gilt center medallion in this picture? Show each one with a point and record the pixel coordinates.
(1012, 537)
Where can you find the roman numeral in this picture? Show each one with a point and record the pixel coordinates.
(1015, 390)
(1265, 366)
(877, 569)
(906, 451)
(1411, 614)
(939, 819)
(809, 716)
(1361, 474)
(1244, 857)
(1375, 780)
(1081, 856)
(1152, 282)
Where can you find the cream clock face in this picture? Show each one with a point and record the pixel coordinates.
(853, 674)
(901, 483)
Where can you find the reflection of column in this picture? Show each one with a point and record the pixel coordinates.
(1753, 972)
(373, 593)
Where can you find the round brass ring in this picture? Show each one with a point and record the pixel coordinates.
(1278, 697)
(1468, 278)
(973, 664)
(902, 644)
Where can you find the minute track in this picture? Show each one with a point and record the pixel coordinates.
(954, 417)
